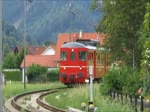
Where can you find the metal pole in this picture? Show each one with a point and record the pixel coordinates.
(1, 92)
(70, 21)
(24, 44)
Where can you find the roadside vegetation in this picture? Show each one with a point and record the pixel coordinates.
(122, 80)
(76, 96)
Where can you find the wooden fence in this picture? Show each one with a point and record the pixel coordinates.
(137, 102)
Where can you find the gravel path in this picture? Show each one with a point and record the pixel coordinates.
(32, 104)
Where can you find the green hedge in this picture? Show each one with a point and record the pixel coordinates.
(13, 75)
(53, 75)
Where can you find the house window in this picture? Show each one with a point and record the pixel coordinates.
(63, 55)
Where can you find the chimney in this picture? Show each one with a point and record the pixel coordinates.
(98, 36)
(80, 34)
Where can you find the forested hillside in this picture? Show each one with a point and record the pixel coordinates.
(13, 37)
(47, 18)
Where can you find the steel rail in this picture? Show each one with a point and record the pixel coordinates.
(47, 106)
(19, 107)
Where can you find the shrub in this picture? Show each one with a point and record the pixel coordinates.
(123, 79)
(53, 75)
(36, 73)
(41, 78)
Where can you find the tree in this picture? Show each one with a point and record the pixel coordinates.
(13, 61)
(20, 57)
(145, 36)
(48, 42)
(121, 22)
(10, 61)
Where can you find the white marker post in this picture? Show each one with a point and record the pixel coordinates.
(91, 82)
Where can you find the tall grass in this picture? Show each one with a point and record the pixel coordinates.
(74, 97)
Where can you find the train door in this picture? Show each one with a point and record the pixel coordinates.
(101, 64)
(92, 62)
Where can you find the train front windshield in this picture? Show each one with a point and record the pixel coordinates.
(82, 55)
(63, 55)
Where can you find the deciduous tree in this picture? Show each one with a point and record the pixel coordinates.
(121, 22)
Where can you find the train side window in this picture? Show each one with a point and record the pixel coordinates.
(98, 58)
(82, 55)
(72, 56)
(63, 55)
(91, 55)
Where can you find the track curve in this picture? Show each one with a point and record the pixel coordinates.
(49, 107)
(41, 94)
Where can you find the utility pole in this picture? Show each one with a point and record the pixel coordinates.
(1, 98)
(25, 43)
(70, 14)
(24, 74)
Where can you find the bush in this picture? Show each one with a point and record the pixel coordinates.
(123, 79)
(37, 73)
(41, 79)
(53, 75)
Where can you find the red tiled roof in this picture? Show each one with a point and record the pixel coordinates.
(39, 50)
(32, 50)
(43, 60)
(65, 37)
(53, 46)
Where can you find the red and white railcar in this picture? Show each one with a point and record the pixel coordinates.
(75, 61)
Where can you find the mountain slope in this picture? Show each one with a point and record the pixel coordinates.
(47, 18)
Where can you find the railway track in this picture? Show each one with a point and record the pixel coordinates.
(37, 104)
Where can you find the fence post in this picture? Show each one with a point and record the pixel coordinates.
(130, 99)
(122, 98)
(113, 94)
(135, 103)
(110, 93)
(118, 95)
(142, 106)
(126, 100)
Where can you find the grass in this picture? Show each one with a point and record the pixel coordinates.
(69, 98)
(14, 88)
(76, 96)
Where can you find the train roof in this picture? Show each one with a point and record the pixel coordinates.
(80, 45)
(73, 45)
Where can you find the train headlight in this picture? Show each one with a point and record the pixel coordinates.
(64, 68)
(80, 68)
